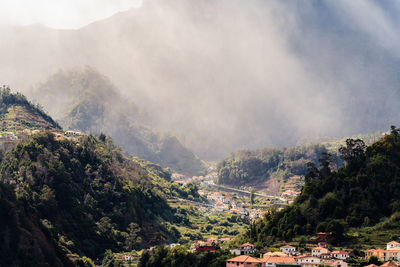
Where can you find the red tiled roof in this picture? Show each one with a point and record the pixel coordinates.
(287, 246)
(244, 258)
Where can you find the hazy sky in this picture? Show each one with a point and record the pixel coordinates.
(60, 14)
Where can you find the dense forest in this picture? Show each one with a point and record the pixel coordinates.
(62, 197)
(247, 166)
(87, 101)
(359, 194)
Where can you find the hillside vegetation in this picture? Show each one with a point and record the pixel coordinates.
(84, 197)
(250, 168)
(359, 194)
(88, 101)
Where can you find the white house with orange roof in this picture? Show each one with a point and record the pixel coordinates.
(308, 261)
(245, 249)
(393, 245)
(242, 261)
(273, 261)
(336, 263)
(317, 251)
(340, 255)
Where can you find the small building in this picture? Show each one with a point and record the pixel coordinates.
(275, 261)
(204, 246)
(317, 251)
(288, 249)
(128, 257)
(308, 261)
(336, 263)
(340, 255)
(326, 256)
(393, 245)
(245, 249)
(243, 260)
(173, 245)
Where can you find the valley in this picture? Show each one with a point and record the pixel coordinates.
(199, 133)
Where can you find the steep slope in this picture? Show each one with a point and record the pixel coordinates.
(362, 192)
(88, 101)
(82, 197)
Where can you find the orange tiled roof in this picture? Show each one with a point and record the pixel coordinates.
(318, 248)
(339, 252)
(279, 259)
(244, 258)
(394, 243)
(247, 245)
(372, 265)
(287, 246)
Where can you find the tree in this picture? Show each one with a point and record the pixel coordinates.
(252, 196)
(353, 149)
(133, 239)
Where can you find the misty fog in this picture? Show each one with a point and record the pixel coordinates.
(229, 74)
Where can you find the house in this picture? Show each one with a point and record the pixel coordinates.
(308, 261)
(243, 260)
(317, 251)
(383, 255)
(128, 258)
(274, 261)
(288, 249)
(336, 263)
(244, 249)
(325, 256)
(340, 254)
(372, 265)
(204, 246)
(173, 245)
(393, 245)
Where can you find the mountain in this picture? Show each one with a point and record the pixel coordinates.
(227, 75)
(87, 101)
(65, 199)
(359, 194)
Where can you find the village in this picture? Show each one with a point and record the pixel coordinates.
(232, 200)
(320, 255)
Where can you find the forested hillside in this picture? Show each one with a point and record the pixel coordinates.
(61, 196)
(88, 101)
(362, 192)
(251, 168)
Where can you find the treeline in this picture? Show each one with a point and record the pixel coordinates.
(181, 257)
(60, 197)
(8, 99)
(248, 166)
(359, 194)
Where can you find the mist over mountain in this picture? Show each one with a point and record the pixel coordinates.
(85, 100)
(226, 75)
